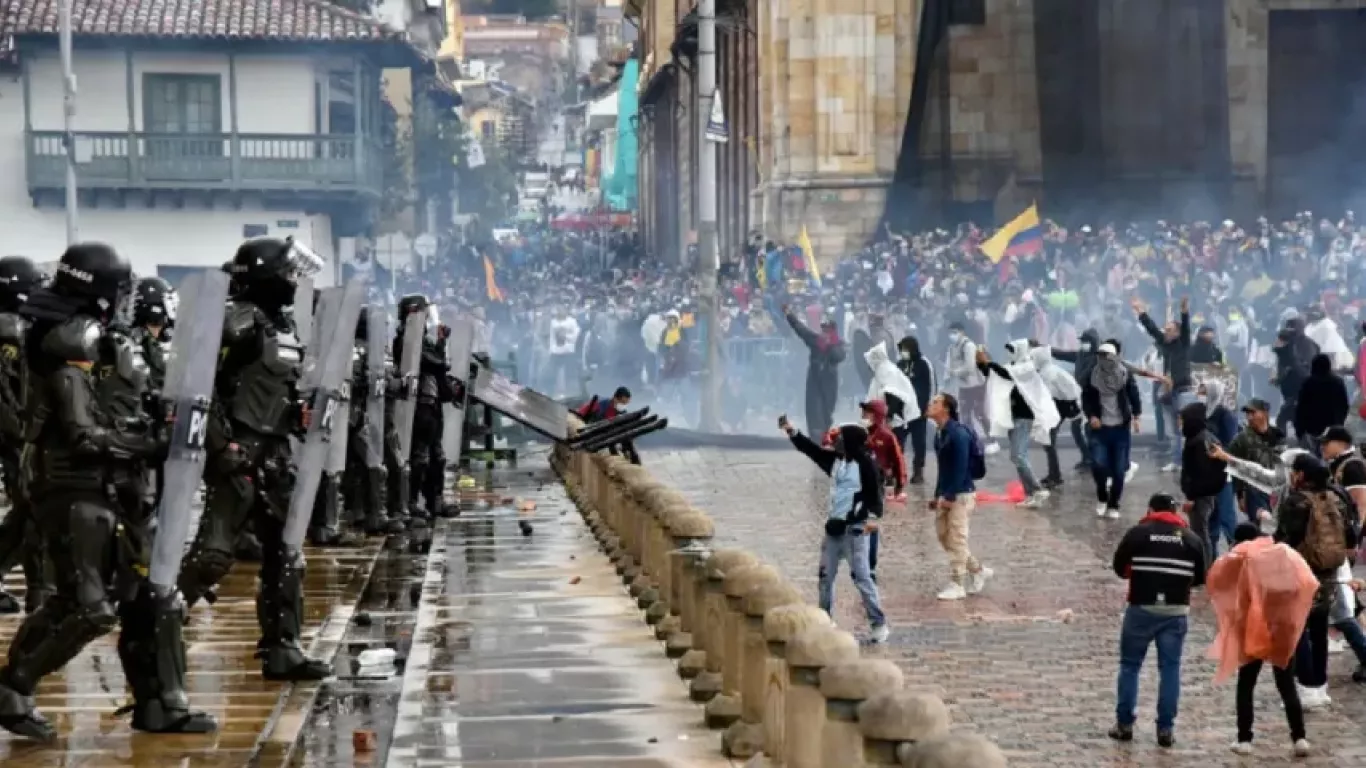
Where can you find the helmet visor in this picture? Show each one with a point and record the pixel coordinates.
(302, 262)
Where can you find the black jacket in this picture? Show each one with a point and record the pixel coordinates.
(1200, 475)
(868, 501)
(1130, 402)
(1322, 401)
(1292, 522)
(1162, 559)
(1083, 360)
(918, 370)
(1176, 354)
(1293, 359)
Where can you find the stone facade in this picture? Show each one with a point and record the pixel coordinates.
(835, 85)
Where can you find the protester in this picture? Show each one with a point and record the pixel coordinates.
(1260, 442)
(1163, 560)
(1083, 360)
(1066, 394)
(918, 369)
(564, 339)
(1347, 470)
(1112, 406)
(1223, 425)
(1020, 408)
(822, 371)
(1173, 342)
(606, 408)
(961, 461)
(885, 448)
(891, 386)
(1294, 353)
(1202, 475)
(1321, 403)
(964, 380)
(855, 508)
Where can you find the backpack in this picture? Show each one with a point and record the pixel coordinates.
(977, 456)
(1324, 547)
(1351, 521)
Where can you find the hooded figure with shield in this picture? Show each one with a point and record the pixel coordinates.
(422, 338)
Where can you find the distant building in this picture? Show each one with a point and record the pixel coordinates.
(197, 125)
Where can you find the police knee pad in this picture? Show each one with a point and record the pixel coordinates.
(208, 565)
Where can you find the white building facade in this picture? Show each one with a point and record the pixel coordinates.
(192, 134)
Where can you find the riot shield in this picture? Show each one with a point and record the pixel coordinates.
(303, 310)
(409, 362)
(338, 311)
(187, 393)
(377, 326)
(459, 353)
(341, 436)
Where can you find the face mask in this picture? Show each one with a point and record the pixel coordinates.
(954, 336)
(867, 423)
(1086, 346)
(905, 355)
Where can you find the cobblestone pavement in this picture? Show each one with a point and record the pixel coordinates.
(1012, 663)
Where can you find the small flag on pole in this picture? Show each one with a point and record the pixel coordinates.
(491, 283)
(813, 269)
(1019, 236)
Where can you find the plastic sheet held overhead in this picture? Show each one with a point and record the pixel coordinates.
(1261, 592)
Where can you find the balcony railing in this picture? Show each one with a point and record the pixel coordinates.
(246, 162)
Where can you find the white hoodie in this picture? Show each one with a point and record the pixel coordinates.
(1324, 332)
(887, 378)
(1025, 378)
(564, 335)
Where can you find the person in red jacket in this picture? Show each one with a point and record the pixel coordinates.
(884, 446)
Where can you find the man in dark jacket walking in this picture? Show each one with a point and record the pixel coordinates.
(1112, 406)
(1322, 403)
(1294, 354)
(918, 369)
(1202, 476)
(1173, 342)
(1083, 359)
(1162, 560)
(822, 371)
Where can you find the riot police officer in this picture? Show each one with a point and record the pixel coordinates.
(77, 446)
(154, 303)
(365, 486)
(428, 457)
(19, 539)
(257, 408)
(325, 526)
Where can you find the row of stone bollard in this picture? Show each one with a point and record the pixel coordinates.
(772, 672)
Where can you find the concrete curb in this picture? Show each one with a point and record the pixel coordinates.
(772, 672)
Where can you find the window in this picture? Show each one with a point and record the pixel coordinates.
(488, 129)
(182, 104)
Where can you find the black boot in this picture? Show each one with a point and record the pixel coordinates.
(280, 609)
(9, 604)
(918, 476)
(152, 651)
(248, 548)
(18, 716)
(377, 523)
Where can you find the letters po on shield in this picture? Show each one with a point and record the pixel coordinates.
(188, 392)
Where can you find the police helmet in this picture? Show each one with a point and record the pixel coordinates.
(154, 303)
(413, 302)
(19, 277)
(93, 271)
(270, 258)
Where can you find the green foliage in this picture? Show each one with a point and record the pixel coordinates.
(398, 188)
(532, 9)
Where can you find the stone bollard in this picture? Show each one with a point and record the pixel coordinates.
(710, 598)
(745, 738)
(808, 653)
(845, 687)
(688, 533)
(781, 625)
(691, 586)
(960, 750)
(657, 559)
(724, 709)
(891, 721)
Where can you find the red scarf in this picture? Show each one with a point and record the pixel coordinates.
(828, 340)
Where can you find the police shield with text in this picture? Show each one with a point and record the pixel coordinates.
(325, 525)
(77, 446)
(257, 406)
(426, 456)
(365, 476)
(19, 539)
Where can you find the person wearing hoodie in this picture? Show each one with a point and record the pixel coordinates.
(1112, 407)
(1205, 351)
(964, 380)
(822, 371)
(1294, 354)
(1066, 394)
(1083, 360)
(1321, 403)
(1202, 476)
(1021, 409)
(1224, 426)
(918, 369)
(892, 386)
(855, 509)
(1173, 342)
(1261, 443)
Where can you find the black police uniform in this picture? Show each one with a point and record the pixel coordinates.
(427, 457)
(257, 408)
(364, 487)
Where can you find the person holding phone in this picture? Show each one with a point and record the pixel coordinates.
(855, 509)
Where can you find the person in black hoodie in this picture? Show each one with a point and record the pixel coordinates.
(1204, 350)
(918, 369)
(1294, 353)
(1322, 402)
(1083, 360)
(822, 371)
(1202, 476)
(855, 509)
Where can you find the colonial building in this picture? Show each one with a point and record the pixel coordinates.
(195, 126)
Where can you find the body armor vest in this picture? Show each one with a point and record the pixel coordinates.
(154, 352)
(265, 391)
(428, 386)
(123, 377)
(12, 330)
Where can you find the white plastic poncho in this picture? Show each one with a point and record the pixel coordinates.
(887, 378)
(1325, 333)
(1025, 378)
(651, 330)
(1061, 384)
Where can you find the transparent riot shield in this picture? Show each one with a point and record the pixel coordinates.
(323, 383)
(303, 310)
(187, 394)
(459, 353)
(377, 326)
(341, 436)
(409, 362)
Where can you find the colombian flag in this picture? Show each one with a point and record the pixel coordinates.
(813, 270)
(1021, 235)
(490, 284)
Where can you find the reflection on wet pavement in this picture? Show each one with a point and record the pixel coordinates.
(224, 678)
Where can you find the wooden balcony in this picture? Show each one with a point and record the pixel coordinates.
(309, 165)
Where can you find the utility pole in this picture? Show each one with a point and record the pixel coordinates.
(708, 259)
(69, 120)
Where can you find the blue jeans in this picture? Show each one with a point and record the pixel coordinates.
(1180, 399)
(1255, 500)
(1110, 462)
(1225, 518)
(852, 546)
(1142, 629)
(1019, 455)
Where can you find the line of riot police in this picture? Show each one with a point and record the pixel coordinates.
(121, 401)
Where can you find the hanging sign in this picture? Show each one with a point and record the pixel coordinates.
(716, 123)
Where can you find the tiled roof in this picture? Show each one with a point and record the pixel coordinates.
(283, 20)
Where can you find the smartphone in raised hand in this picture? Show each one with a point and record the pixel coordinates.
(784, 424)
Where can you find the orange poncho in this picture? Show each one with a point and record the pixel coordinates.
(1261, 592)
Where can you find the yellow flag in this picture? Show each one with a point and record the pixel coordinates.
(1020, 235)
(813, 268)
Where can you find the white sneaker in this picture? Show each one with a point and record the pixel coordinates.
(978, 581)
(1336, 645)
(953, 591)
(1301, 748)
(991, 449)
(1314, 698)
(1241, 747)
(1042, 494)
(1130, 472)
(1100, 509)
(880, 634)
(1112, 513)
(1030, 502)
(1172, 468)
